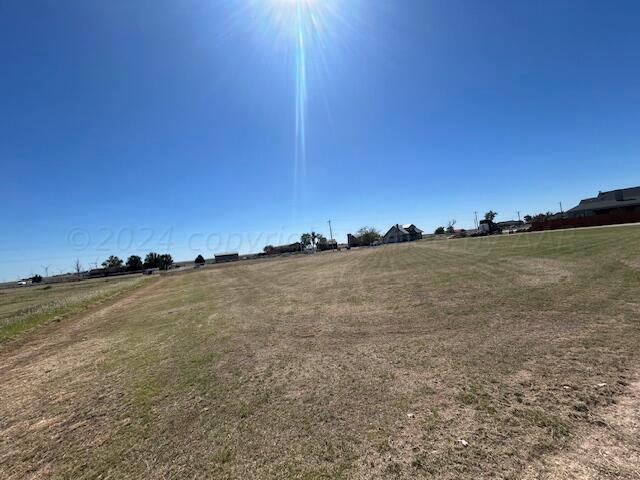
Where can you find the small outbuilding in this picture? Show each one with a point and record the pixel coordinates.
(227, 257)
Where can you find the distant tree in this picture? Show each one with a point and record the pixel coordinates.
(490, 215)
(439, 231)
(134, 263)
(268, 249)
(312, 239)
(305, 239)
(36, 278)
(368, 235)
(528, 218)
(112, 262)
(165, 261)
(322, 243)
(200, 260)
(77, 266)
(541, 217)
(450, 228)
(152, 260)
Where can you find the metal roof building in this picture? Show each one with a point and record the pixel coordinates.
(607, 202)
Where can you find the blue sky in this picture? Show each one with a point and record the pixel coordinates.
(130, 126)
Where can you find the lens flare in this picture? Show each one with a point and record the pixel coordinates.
(307, 31)
(301, 99)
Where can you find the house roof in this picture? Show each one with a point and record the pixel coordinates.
(612, 199)
(410, 226)
(404, 229)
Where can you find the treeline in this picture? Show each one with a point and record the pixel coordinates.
(279, 249)
(540, 217)
(135, 263)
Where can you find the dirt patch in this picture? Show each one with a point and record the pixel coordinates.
(541, 271)
(608, 449)
(632, 263)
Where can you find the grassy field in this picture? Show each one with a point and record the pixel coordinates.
(26, 307)
(500, 357)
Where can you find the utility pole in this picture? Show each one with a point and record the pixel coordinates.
(519, 216)
(46, 270)
(475, 216)
(561, 211)
(330, 230)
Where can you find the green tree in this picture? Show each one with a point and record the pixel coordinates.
(165, 261)
(490, 215)
(528, 218)
(112, 262)
(314, 239)
(200, 260)
(134, 263)
(368, 235)
(36, 278)
(439, 231)
(305, 239)
(542, 217)
(152, 260)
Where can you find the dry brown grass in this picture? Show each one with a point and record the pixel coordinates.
(374, 363)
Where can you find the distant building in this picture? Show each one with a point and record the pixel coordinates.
(510, 224)
(98, 272)
(328, 245)
(353, 241)
(402, 233)
(104, 272)
(488, 227)
(227, 257)
(615, 201)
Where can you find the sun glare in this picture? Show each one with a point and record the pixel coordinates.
(293, 2)
(302, 30)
